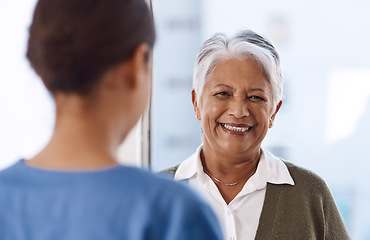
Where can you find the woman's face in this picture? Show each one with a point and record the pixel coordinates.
(235, 108)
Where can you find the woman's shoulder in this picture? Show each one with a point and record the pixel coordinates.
(301, 172)
(306, 179)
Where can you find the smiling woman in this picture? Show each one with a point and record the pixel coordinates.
(236, 109)
(323, 121)
(237, 93)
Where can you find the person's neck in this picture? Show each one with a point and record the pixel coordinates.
(229, 168)
(229, 172)
(78, 143)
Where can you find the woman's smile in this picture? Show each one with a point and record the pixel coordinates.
(235, 129)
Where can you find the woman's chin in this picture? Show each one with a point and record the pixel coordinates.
(236, 149)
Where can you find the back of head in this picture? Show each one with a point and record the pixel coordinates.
(73, 42)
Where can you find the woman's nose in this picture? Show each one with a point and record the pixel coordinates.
(239, 108)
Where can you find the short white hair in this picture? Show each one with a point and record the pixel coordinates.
(243, 45)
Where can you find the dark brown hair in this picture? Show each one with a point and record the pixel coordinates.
(73, 42)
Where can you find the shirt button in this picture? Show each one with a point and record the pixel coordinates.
(232, 238)
(228, 213)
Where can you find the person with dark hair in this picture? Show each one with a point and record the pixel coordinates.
(94, 56)
(237, 93)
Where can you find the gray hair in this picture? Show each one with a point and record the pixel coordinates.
(243, 45)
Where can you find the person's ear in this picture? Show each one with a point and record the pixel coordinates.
(139, 66)
(131, 74)
(272, 118)
(195, 104)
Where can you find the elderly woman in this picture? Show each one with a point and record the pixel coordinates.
(237, 92)
(94, 58)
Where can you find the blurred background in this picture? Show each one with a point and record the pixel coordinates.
(323, 124)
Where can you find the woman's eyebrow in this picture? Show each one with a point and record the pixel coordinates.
(250, 90)
(224, 85)
(257, 89)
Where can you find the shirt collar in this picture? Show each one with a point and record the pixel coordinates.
(270, 169)
(277, 171)
(190, 167)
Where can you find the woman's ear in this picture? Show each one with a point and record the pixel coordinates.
(134, 71)
(272, 119)
(195, 104)
(140, 65)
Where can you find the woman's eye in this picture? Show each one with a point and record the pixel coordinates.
(222, 94)
(257, 98)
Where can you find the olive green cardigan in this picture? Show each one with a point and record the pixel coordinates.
(301, 212)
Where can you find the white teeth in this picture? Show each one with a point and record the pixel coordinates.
(236, 129)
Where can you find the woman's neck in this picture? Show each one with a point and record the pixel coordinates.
(229, 173)
(80, 140)
(73, 148)
(228, 165)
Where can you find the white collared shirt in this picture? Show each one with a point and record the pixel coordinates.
(239, 219)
